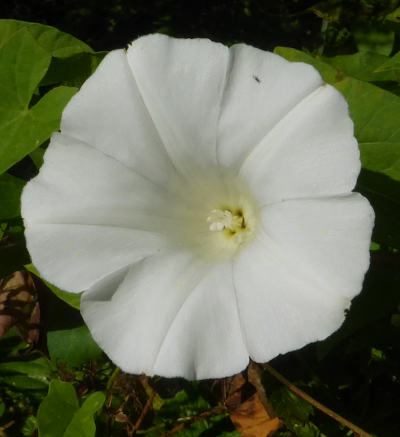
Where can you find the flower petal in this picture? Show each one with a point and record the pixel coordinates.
(74, 257)
(331, 235)
(261, 89)
(310, 152)
(169, 315)
(181, 81)
(297, 278)
(77, 184)
(82, 218)
(206, 341)
(109, 114)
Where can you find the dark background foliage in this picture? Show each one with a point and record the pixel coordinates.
(110, 24)
(356, 371)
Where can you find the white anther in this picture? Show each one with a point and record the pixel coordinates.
(220, 220)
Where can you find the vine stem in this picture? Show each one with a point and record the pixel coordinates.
(112, 378)
(357, 430)
(145, 410)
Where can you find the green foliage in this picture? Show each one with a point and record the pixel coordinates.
(51, 40)
(60, 415)
(39, 369)
(23, 63)
(295, 412)
(73, 346)
(68, 339)
(183, 407)
(10, 193)
(365, 66)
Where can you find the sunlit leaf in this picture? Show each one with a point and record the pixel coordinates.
(23, 63)
(82, 423)
(52, 40)
(59, 414)
(366, 66)
(57, 409)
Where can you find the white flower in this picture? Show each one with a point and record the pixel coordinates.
(201, 196)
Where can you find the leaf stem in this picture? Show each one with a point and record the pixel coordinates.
(357, 431)
(145, 410)
(111, 379)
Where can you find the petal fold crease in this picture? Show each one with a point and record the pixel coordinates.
(310, 152)
(182, 81)
(109, 114)
(171, 315)
(261, 89)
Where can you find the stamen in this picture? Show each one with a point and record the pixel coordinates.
(224, 219)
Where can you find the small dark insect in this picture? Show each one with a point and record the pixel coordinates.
(256, 78)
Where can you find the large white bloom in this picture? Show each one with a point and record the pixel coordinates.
(201, 197)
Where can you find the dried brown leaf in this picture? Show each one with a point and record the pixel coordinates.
(121, 417)
(248, 407)
(18, 306)
(252, 420)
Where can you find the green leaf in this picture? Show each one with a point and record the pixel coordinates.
(286, 404)
(57, 409)
(37, 156)
(59, 414)
(72, 299)
(376, 115)
(29, 426)
(375, 39)
(10, 193)
(382, 158)
(40, 368)
(184, 404)
(295, 412)
(68, 339)
(366, 66)
(82, 424)
(53, 41)
(72, 71)
(23, 63)
(391, 65)
(394, 16)
(73, 346)
(30, 128)
(328, 73)
(23, 382)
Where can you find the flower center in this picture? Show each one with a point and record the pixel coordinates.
(221, 220)
(230, 228)
(215, 214)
